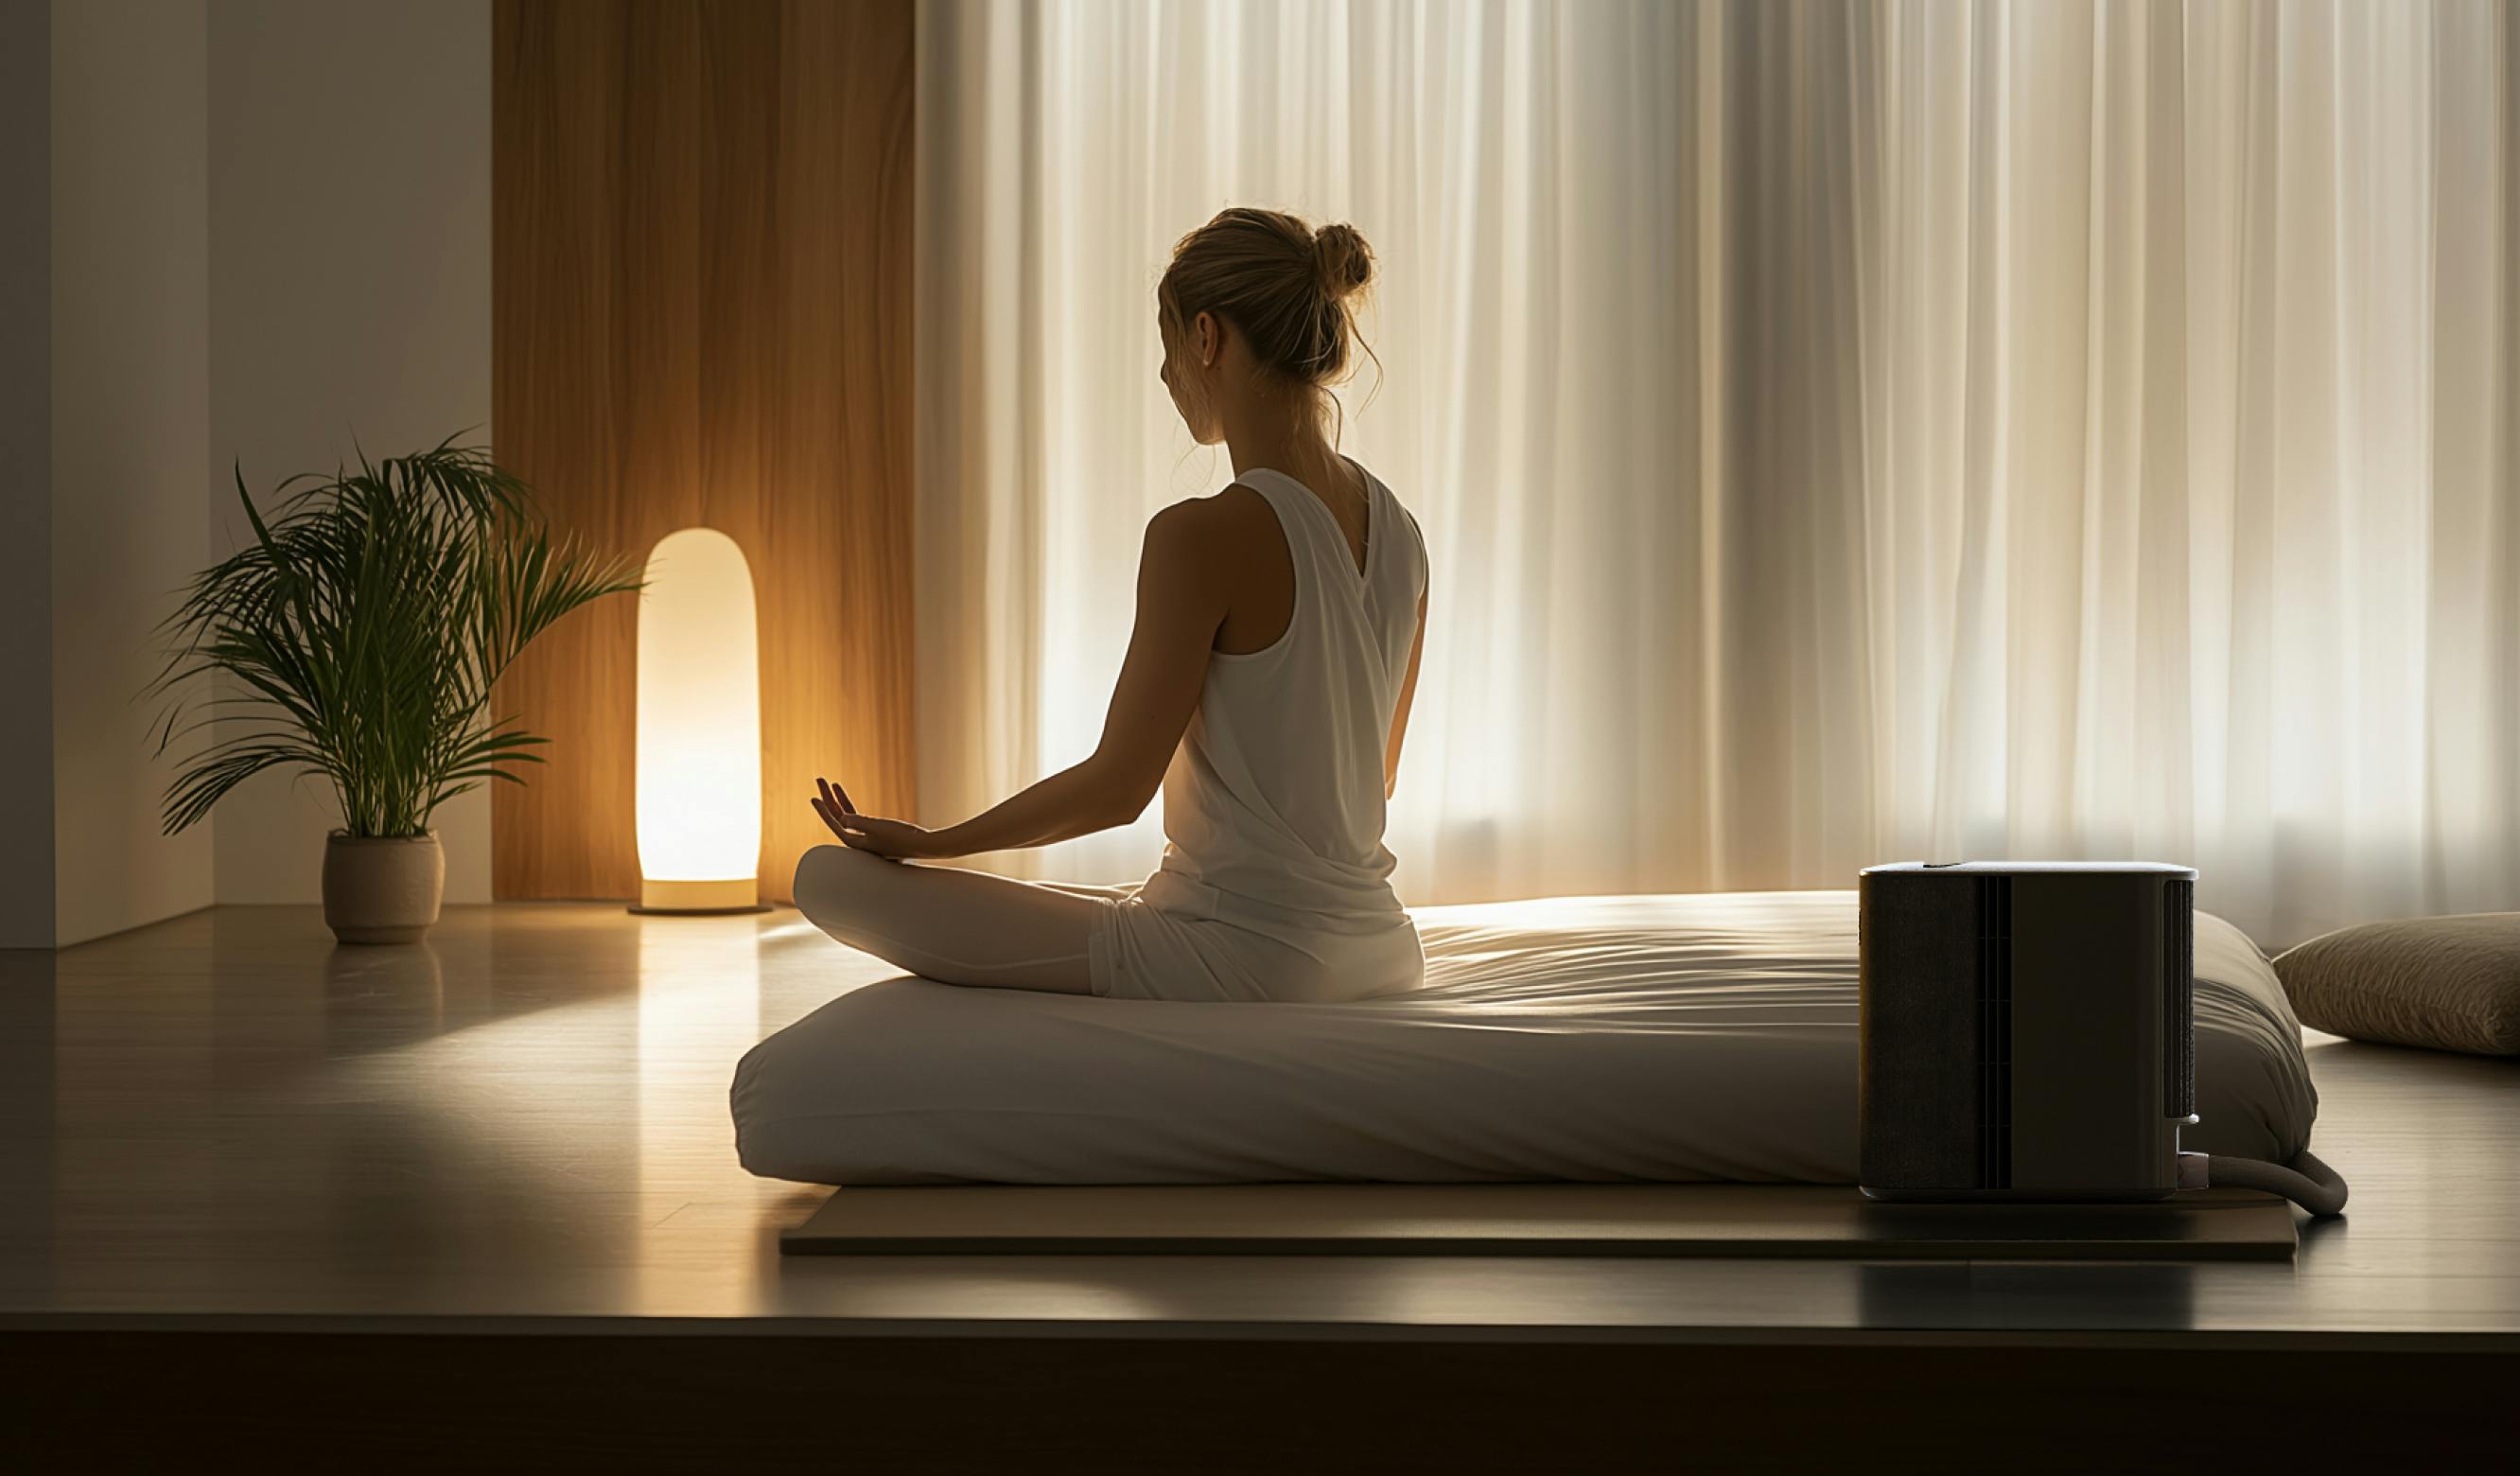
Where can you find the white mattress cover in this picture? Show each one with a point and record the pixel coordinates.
(1674, 1039)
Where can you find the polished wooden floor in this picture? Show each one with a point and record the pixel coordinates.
(225, 1124)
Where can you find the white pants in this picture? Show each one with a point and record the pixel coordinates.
(956, 926)
(969, 927)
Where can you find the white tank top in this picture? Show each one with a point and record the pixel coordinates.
(1274, 802)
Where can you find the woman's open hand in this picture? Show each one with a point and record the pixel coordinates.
(897, 839)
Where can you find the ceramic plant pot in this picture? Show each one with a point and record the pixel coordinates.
(381, 889)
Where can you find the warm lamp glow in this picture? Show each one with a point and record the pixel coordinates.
(700, 728)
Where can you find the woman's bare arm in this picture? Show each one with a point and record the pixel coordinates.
(1399, 712)
(1181, 602)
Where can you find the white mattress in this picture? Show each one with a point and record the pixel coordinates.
(1675, 1039)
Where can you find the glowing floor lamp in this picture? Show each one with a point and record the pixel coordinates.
(699, 729)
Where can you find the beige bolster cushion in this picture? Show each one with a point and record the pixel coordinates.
(2448, 982)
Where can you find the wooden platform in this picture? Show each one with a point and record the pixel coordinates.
(1739, 1221)
(322, 1200)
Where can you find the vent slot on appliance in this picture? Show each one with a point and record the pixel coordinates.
(2178, 996)
(1995, 1032)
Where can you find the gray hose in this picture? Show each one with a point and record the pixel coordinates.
(2314, 1187)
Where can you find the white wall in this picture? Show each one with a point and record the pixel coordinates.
(130, 434)
(255, 230)
(349, 230)
(26, 461)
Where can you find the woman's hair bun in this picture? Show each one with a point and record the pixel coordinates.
(1282, 285)
(1345, 262)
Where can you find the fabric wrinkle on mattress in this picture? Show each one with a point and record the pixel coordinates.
(1672, 1039)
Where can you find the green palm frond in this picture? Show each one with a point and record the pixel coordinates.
(365, 624)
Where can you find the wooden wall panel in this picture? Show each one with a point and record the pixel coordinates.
(700, 316)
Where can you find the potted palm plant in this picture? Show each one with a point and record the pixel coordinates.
(362, 629)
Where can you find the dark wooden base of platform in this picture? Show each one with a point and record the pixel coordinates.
(710, 1400)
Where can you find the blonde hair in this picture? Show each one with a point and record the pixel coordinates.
(1285, 286)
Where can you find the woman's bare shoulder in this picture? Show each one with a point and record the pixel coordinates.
(1213, 526)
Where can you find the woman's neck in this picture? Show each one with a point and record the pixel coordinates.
(1281, 437)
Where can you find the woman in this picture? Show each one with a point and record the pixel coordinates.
(1266, 690)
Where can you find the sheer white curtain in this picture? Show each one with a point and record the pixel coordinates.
(2193, 522)
(1512, 166)
(1842, 433)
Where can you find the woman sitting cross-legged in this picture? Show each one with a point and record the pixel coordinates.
(1266, 690)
